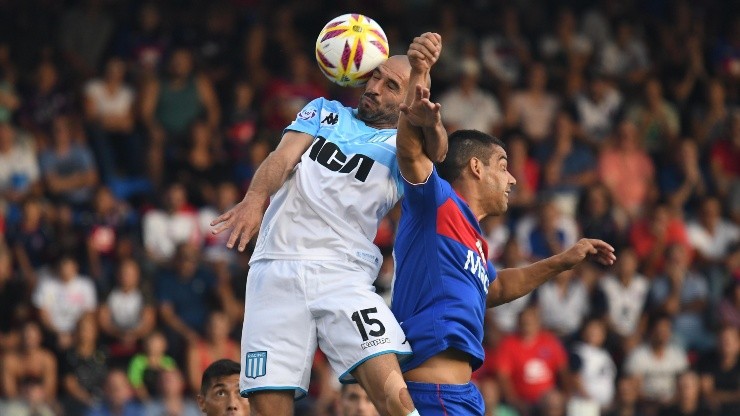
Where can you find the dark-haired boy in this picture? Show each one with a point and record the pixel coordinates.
(219, 390)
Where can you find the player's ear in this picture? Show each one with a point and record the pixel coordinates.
(201, 402)
(475, 166)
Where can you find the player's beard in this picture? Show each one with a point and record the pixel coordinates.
(376, 115)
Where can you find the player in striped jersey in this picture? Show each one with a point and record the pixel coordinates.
(444, 280)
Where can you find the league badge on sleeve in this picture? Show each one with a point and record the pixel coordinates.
(307, 114)
(256, 364)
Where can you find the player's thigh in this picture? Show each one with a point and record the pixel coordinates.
(446, 399)
(354, 323)
(279, 332)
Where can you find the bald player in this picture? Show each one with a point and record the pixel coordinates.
(330, 181)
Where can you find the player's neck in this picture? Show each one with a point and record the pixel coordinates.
(470, 196)
(382, 124)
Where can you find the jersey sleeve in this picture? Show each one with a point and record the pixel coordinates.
(307, 120)
(431, 193)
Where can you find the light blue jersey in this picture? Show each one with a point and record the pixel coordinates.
(345, 183)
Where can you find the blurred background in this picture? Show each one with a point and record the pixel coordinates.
(127, 126)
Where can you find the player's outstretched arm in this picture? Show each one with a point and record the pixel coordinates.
(515, 283)
(244, 218)
(421, 136)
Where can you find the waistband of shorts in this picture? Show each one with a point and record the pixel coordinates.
(443, 388)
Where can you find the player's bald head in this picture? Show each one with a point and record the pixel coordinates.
(401, 60)
(401, 65)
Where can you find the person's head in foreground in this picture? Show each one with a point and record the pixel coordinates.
(477, 167)
(219, 390)
(355, 402)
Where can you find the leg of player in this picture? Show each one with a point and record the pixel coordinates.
(271, 403)
(381, 378)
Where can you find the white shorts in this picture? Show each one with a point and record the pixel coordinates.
(292, 307)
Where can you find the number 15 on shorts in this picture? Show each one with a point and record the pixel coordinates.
(368, 325)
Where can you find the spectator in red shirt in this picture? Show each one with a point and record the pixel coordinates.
(627, 170)
(529, 362)
(651, 235)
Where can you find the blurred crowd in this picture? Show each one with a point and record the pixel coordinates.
(127, 126)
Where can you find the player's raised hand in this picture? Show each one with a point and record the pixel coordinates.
(424, 51)
(585, 247)
(243, 219)
(422, 112)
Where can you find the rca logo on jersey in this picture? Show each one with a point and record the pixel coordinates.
(256, 364)
(329, 119)
(475, 265)
(328, 155)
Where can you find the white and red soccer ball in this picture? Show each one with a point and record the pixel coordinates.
(349, 48)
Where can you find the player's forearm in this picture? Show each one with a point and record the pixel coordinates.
(414, 163)
(435, 142)
(269, 177)
(515, 283)
(410, 139)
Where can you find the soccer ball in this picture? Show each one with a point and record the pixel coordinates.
(349, 48)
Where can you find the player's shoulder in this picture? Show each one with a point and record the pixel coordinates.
(334, 104)
(325, 104)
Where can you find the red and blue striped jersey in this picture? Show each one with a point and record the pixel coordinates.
(442, 273)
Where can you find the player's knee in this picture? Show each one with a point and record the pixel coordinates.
(404, 397)
(397, 397)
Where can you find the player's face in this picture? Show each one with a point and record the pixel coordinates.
(223, 398)
(384, 92)
(497, 183)
(354, 402)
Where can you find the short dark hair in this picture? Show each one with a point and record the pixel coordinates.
(464, 145)
(218, 369)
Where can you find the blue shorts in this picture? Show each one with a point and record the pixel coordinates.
(446, 399)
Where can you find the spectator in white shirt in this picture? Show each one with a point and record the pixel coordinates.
(711, 234)
(165, 229)
(128, 314)
(467, 105)
(594, 371)
(626, 57)
(64, 299)
(19, 168)
(109, 117)
(563, 303)
(533, 109)
(626, 292)
(656, 364)
(598, 110)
